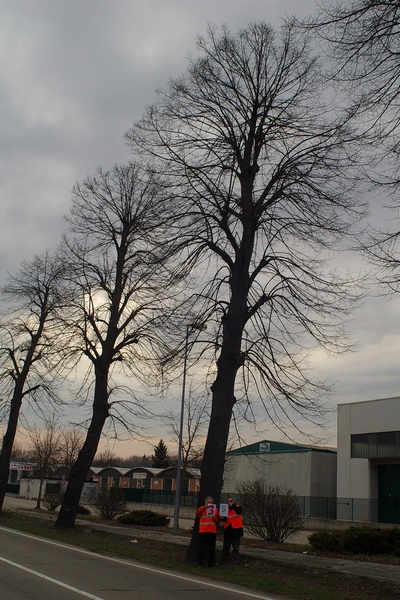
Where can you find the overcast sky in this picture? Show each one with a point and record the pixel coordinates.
(75, 75)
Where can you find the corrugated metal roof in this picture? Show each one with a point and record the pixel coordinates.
(271, 447)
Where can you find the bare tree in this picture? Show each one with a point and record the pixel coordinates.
(108, 504)
(19, 452)
(71, 440)
(134, 461)
(363, 41)
(28, 346)
(271, 512)
(363, 46)
(260, 169)
(45, 449)
(195, 421)
(115, 257)
(107, 458)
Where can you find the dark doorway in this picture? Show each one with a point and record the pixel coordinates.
(389, 493)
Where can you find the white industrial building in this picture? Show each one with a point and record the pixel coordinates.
(307, 470)
(368, 461)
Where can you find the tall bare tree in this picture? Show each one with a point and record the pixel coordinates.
(195, 420)
(260, 169)
(115, 257)
(71, 441)
(28, 346)
(363, 43)
(45, 450)
(107, 458)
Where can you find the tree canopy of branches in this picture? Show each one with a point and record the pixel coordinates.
(108, 458)
(364, 40)
(115, 259)
(160, 458)
(259, 167)
(45, 450)
(28, 346)
(71, 440)
(195, 420)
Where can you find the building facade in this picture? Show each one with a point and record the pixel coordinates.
(368, 467)
(308, 471)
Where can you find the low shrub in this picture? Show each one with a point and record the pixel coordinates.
(108, 503)
(52, 500)
(144, 517)
(82, 510)
(358, 540)
(272, 513)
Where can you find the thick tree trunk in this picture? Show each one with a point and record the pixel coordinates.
(8, 442)
(223, 389)
(79, 470)
(223, 400)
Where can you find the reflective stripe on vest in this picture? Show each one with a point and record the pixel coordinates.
(233, 519)
(207, 525)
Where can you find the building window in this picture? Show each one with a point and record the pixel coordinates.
(372, 445)
(185, 486)
(167, 484)
(146, 483)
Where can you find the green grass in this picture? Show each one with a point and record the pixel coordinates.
(256, 574)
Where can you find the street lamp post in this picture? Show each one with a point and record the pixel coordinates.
(180, 442)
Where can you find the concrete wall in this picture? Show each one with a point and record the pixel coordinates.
(306, 473)
(323, 475)
(358, 477)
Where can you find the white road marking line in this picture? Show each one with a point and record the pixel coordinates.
(60, 583)
(139, 566)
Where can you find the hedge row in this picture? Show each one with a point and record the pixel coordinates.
(144, 517)
(358, 540)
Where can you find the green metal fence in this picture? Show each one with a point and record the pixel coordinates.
(142, 496)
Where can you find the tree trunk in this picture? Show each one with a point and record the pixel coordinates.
(79, 470)
(223, 400)
(8, 442)
(37, 507)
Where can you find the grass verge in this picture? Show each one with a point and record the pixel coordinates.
(261, 575)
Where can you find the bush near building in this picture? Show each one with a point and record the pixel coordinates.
(358, 540)
(52, 500)
(270, 512)
(108, 504)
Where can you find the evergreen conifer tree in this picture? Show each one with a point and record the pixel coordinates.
(160, 458)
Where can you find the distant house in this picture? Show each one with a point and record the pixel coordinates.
(148, 478)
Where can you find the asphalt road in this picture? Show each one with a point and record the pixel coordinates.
(32, 568)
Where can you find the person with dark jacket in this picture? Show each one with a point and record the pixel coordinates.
(208, 521)
(233, 530)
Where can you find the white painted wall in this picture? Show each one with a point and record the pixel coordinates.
(306, 473)
(356, 477)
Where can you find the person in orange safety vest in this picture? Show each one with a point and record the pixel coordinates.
(208, 521)
(233, 530)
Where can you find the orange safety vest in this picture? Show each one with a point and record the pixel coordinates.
(233, 519)
(207, 523)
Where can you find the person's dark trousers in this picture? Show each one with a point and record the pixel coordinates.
(235, 543)
(207, 542)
